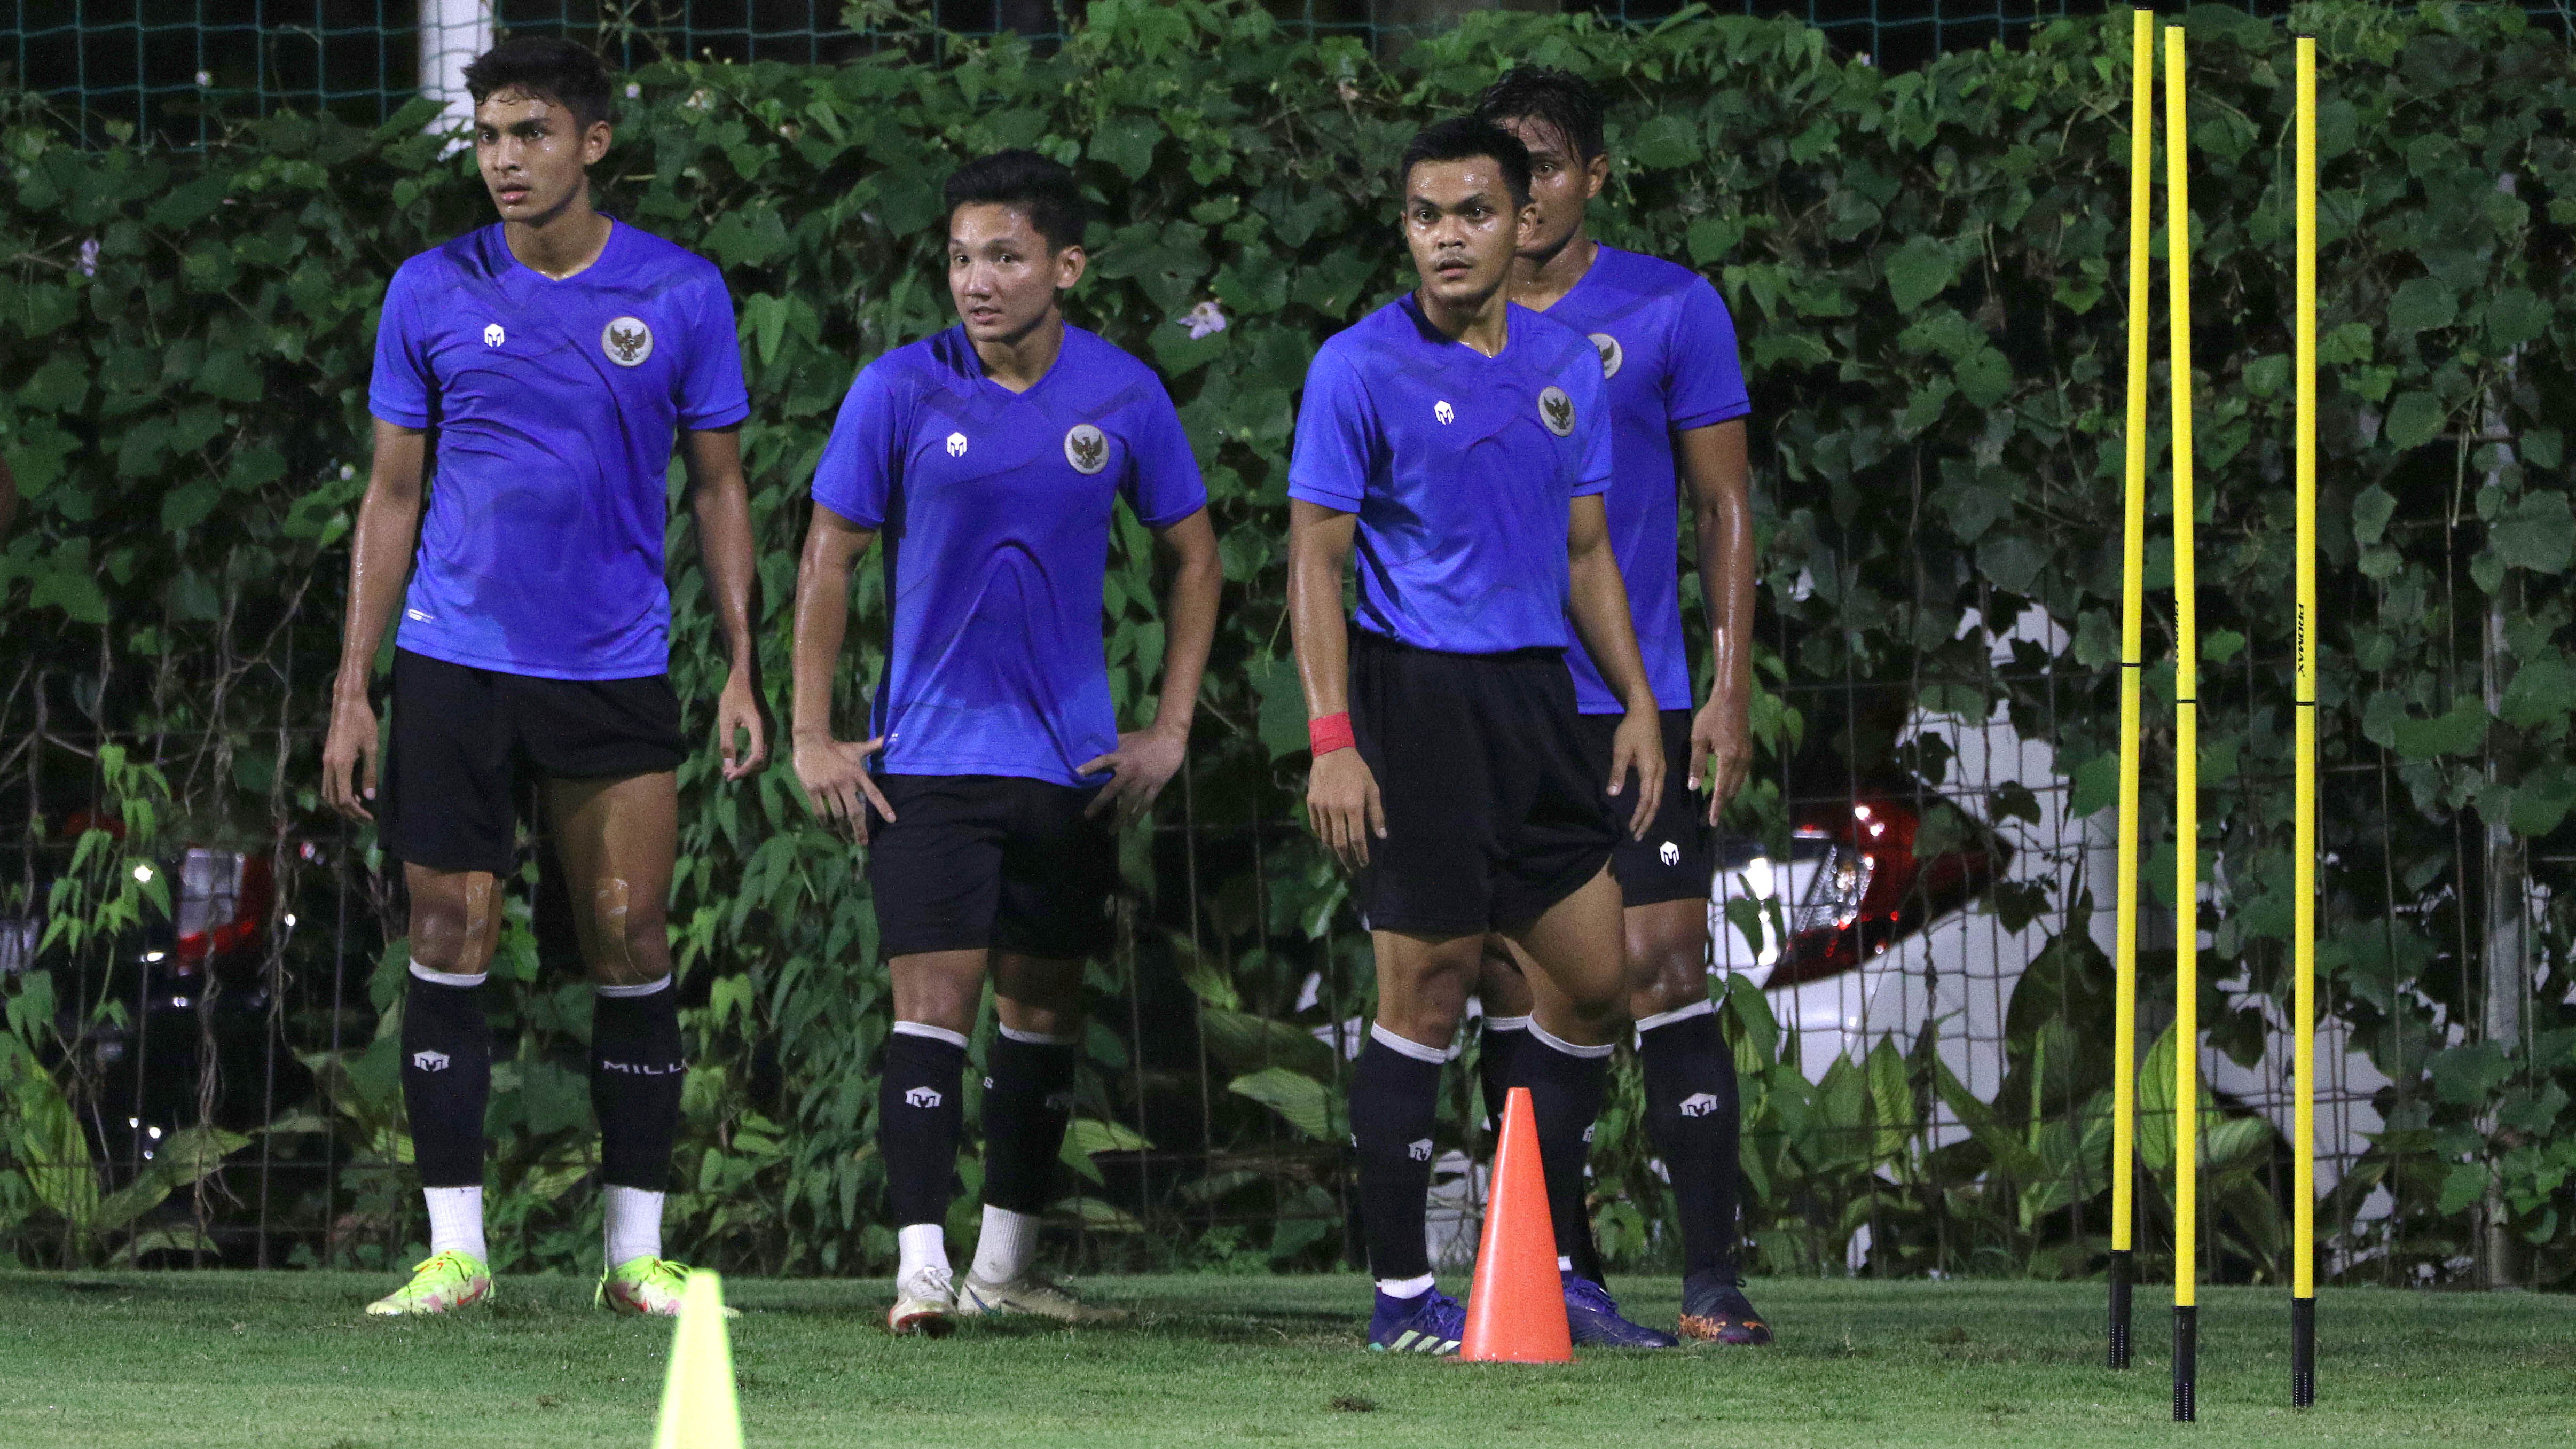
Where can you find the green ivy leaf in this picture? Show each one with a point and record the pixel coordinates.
(2414, 419)
(1919, 270)
(2456, 731)
(2538, 534)
(2421, 304)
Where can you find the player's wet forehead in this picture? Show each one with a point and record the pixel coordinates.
(979, 224)
(1449, 185)
(513, 106)
(1541, 136)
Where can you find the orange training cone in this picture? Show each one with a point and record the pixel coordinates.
(1516, 1311)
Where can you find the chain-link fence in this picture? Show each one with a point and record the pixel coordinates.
(176, 67)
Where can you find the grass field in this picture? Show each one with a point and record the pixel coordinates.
(219, 1359)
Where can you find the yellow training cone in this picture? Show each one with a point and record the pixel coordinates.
(698, 1409)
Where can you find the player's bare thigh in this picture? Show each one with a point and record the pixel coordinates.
(617, 839)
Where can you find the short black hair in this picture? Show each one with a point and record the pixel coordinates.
(1463, 138)
(1559, 97)
(563, 71)
(1043, 188)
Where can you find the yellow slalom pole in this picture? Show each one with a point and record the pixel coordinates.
(2303, 927)
(2186, 1128)
(2133, 572)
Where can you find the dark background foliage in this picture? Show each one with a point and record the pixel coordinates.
(1926, 267)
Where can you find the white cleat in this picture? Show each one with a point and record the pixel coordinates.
(1028, 1293)
(923, 1305)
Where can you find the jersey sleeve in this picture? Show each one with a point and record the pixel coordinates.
(864, 457)
(1338, 443)
(1592, 415)
(712, 394)
(1707, 385)
(401, 387)
(1163, 485)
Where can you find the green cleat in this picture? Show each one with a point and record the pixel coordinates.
(646, 1287)
(441, 1283)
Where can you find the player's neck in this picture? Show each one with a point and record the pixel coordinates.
(563, 242)
(1540, 282)
(1019, 362)
(1480, 325)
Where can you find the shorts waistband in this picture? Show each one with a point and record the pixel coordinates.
(1364, 638)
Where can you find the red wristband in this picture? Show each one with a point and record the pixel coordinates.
(1332, 732)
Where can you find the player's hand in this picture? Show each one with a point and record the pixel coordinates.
(738, 711)
(1144, 762)
(1342, 806)
(1721, 750)
(836, 780)
(1639, 747)
(350, 749)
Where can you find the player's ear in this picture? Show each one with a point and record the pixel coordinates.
(1596, 174)
(595, 141)
(1069, 264)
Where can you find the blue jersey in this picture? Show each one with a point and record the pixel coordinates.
(551, 407)
(995, 507)
(1667, 348)
(1462, 469)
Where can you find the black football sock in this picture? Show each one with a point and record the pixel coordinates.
(1395, 1097)
(921, 1113)
(446, 1074)
(1028, 1100)
(1692, 1115)
(636, 1071)
(1502, 1037)
(1566, 1083)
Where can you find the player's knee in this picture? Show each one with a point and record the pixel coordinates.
(1667, 979)
(448, 933)
(631, 938)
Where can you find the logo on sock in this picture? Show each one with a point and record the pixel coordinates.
(430, 1061)
(641, 1069)
(921, 1097)
(1588, 1131)
(1699, 1104)
(1671, 854)
(1059, 1101)
(1419, 1149)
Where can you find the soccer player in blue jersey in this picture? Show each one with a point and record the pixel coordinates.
(535, 375)
(1678, 404)
(1459, 446)
(991, 458)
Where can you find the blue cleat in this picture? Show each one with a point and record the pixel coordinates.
(1595, 1320)
(1429, 1323)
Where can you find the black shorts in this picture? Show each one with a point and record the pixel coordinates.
(1677, 860)
(977, 862)
(1492, 812)
(464, 739)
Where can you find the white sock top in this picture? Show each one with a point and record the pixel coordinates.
(630, 1224)
(1008, 1245)
(456, 1221)
(922, 1245)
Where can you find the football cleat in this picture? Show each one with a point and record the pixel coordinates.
(1715, 1310)
(1028, 1293)
(923, 1304)
(1431, 1323)
(440, 1283)
(1594, 1319)
(647, 1287)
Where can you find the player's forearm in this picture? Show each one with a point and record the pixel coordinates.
(1319, 548)
(380, 551)
(822, 623)
(724, 542)
(721, 503)
(1714, 462)
(1597, 598)
(1189, 614)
